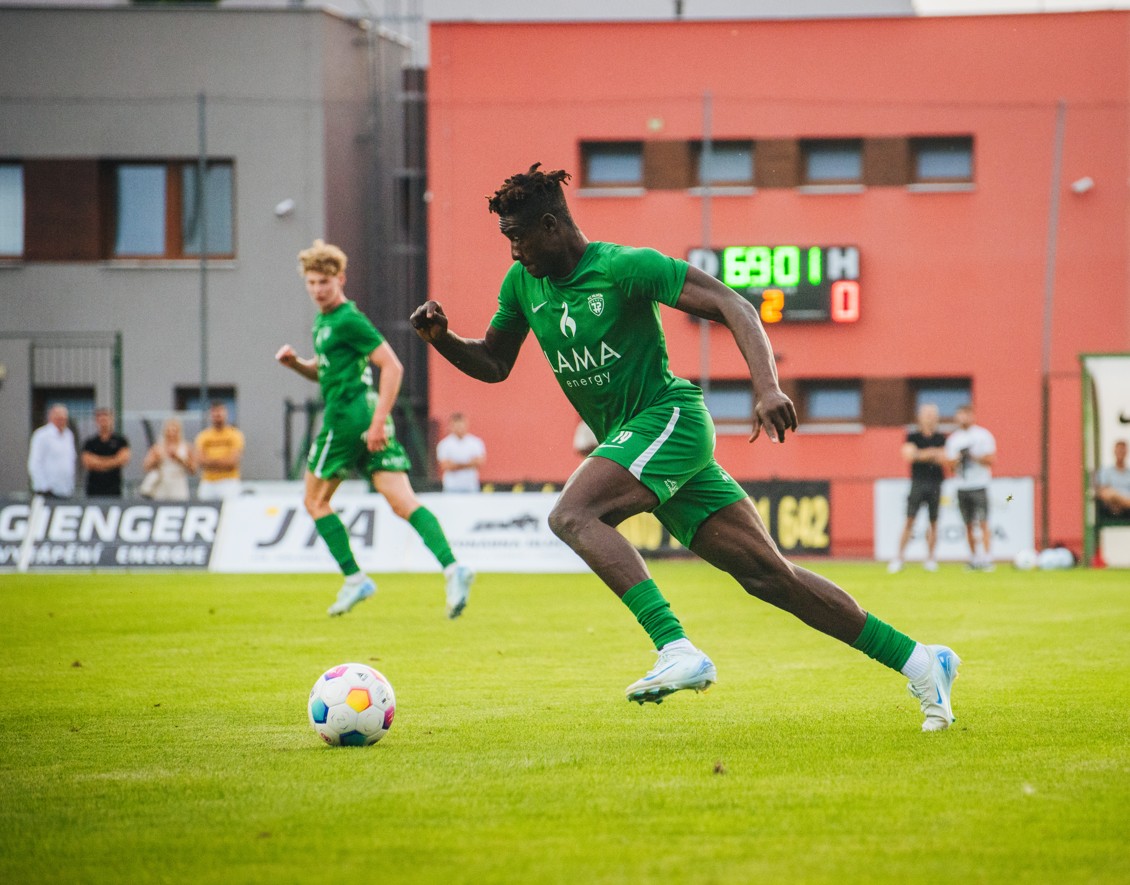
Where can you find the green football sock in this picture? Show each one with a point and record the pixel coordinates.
(654, 613)
(431, 533)
(333, 532)
(884, 643)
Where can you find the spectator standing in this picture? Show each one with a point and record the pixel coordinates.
(1112, 484)
(104, 455)
(219, 452)
(970, 452)
(925, 451)
(168, 465)
(460, 455)
(51, 456)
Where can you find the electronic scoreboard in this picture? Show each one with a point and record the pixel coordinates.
(815, 284)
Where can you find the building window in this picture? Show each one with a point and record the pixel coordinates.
(217, 209)
(727, 163)
(838, 161)
(942, 159)
(79, 400)
(186, 398)
(156, 213)
(140, 210)
(730, 402)
(612, 164)
(948, 394)
(831, 402)
(11, 210)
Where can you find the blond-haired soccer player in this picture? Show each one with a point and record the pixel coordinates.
(357, 429)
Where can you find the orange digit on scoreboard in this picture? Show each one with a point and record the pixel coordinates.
(772, 303)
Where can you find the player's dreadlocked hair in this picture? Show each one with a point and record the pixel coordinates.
(532, 192)
(321, 258)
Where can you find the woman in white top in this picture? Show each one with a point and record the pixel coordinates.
(168, 465)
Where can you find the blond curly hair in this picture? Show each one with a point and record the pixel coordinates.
(321, 258)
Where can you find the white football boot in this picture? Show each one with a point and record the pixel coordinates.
(349, 595)
(676, 669)
(459, 579)
(933, 690)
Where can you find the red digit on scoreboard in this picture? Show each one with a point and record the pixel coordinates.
(845, 301)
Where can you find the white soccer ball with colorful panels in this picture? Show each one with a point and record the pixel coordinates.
(351, 705)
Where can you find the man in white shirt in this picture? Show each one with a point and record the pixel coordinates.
(970, 452)
(51, 456)
(460, 455)
(1112, 484)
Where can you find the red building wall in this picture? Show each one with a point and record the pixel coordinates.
(953, 282)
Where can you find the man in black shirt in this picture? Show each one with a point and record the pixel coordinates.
(924, 450)
(103, 457)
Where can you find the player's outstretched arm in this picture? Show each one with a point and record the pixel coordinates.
(704, 296)
(306, 368)
(487, 359)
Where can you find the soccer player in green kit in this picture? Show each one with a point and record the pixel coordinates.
(594, 309)
(357, 429)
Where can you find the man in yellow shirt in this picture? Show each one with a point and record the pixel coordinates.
(219, 450)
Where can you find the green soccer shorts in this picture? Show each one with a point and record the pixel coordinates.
(670, 449)
(340, 448)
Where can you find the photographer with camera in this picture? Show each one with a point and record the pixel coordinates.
(970, 452)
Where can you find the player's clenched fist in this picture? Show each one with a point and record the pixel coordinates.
(429, 321)
(287, 356)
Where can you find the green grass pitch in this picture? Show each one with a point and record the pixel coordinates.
(154, 730)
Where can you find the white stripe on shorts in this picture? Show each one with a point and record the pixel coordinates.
(641, 462)
(325, 451)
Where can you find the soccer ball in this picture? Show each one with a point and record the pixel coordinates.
(1025, 560)
(351, 705)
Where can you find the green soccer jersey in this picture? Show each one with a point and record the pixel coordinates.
(600, 330)
(343, 340)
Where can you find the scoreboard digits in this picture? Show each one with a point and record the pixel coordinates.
(789, 283)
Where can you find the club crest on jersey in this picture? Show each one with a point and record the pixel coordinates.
(596, 304)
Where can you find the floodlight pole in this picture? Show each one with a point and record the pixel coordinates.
(202, 221)
(1049, 304)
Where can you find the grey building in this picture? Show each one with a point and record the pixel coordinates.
(103, 115)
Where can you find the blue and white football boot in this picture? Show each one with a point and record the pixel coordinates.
(933, 691)
(350, 594)
(676, 669)
(459, 579)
